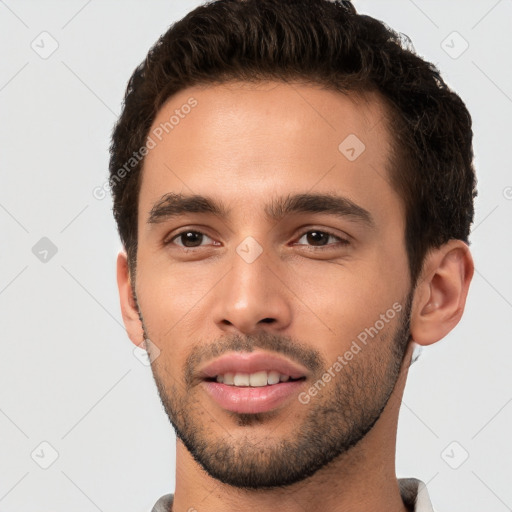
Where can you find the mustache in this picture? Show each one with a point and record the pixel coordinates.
(278, 344)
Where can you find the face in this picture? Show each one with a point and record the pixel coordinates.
(272, 275)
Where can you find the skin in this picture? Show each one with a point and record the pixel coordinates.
(244, 144)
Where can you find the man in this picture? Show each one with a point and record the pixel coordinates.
(294, 190)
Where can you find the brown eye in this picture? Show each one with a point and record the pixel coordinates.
(318, 238)
(189, 239)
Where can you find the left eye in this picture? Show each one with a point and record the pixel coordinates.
(191, 239)
(321, 237)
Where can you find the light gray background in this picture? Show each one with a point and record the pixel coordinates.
(68, 373)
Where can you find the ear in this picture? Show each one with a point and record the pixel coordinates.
(440, 295)
(128, 306)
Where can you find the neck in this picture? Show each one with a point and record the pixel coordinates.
(359, 480)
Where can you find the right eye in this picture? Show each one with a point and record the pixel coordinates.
(189, 239)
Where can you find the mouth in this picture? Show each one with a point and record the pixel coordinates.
(252, 382)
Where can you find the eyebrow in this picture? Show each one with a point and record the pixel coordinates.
(174, 205)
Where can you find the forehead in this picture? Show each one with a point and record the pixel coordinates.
(244, 142)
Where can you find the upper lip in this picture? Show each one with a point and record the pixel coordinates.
(251, 362)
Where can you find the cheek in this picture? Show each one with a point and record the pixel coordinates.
(168, 291)
(347, 300)
(174, 303)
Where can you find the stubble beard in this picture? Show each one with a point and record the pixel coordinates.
(336, 419)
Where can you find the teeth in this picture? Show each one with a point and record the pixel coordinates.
(257, 379)
(229, 378)
(241, 379)
(273, 377)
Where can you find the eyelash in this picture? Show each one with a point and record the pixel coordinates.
(341, 241)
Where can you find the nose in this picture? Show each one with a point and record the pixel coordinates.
(252, 295)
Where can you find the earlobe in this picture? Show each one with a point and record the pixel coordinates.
(440, 296)
(129, 308)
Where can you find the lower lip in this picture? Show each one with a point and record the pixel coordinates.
(250, 400)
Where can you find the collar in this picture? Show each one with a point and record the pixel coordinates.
(413, 491)
(415, 495)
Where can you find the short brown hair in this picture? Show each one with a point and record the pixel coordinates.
(319, 42)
